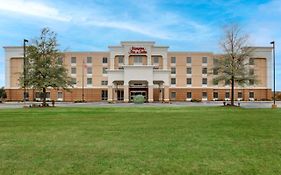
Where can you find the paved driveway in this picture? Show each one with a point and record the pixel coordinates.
(175, 104)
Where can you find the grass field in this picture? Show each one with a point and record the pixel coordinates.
(209, 140)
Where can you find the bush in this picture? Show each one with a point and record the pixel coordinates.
(138, 99)
(196, 100)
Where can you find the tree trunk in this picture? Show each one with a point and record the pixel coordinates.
(44, 98)
(232, 91)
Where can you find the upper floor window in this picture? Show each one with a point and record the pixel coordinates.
(89, 70)
(120, 59)
(251, 72)
(215, 71)
(104, 82)
(173, 59)
(137, 60)
(204, 81)
(189, 70)
(73, 80)
(104, 70)
(104, 60)
(188, 60)
(204, 60)
(89, 59)
(188, 81)
(73, 70)
(155, 59)
(251, 61)
(173, 70)
(73, 60)
(89, 81)
(173, 81)
(60, 60)
(204, 70)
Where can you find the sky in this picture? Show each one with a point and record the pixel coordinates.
(184, 25)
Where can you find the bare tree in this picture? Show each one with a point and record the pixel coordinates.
(232, 66)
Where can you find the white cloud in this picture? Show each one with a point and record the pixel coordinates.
(32, 8)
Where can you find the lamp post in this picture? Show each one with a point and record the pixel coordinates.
(24, 68)
(273, 46)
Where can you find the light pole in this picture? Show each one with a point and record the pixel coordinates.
(273, 46)
(24, 68)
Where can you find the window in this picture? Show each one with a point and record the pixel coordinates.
(73, 60)
(104, 83)
(60, 61)
(104, 95)
(215, 61)
(89, 59)
(251, 72)
(173, 70)
(189, 95)
(204, 70)
(173, 59)
(251, 82)
(188, 81)
(104, 60)
(204, 95)
(137, 60)
(89, 70)
(240, 95)
(173, 81)
(204, 81)
(25, 95)
(73, 81)
(215, 95)
(204, 60)
(251, 61)
(251, 95)
(188, 60)
(189, 70)
(227, 95)
(73, 70)
(41, 95)
(173, 95)
(104, 70)
(155, 59)
(120, 59)
(227, 82)
(215, 71)
(59, 95)
(89, 81)
(215, 82)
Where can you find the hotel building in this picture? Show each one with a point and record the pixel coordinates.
(140, 67)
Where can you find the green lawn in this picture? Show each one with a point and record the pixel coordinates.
(149, 140)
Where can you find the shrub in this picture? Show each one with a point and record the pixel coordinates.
(196, 100)
(138, 99)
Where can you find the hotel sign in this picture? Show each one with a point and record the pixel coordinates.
(138, 50)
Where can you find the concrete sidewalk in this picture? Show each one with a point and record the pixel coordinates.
(257, 104)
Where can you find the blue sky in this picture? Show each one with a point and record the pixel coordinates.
(92, 25)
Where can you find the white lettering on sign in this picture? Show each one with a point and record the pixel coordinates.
(138, 50)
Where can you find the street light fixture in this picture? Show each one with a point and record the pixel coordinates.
(24, 69)
(273, 46)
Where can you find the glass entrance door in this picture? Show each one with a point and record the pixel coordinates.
(135, 93)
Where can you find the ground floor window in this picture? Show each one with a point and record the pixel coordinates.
(25, 96)
(251, 95)
(173, 95)
(216, 95)
(59, 96)
(189, 95)
(40, 95)
(240, 95)
(227, 95)
(104, 95)
(204, 95)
